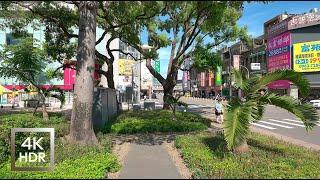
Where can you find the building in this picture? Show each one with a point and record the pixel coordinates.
(292, 43)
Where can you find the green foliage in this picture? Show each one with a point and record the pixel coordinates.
(156, 121)
(241, 112)
(26, 120)
(69, 159)
(207, 157)
(204, 59)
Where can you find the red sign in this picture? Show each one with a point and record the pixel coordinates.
(236, 62)
(278, 57)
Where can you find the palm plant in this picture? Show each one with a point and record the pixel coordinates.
(240, 112)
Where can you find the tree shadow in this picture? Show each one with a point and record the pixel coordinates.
(216, 144)
(264, 147)
(146, 139)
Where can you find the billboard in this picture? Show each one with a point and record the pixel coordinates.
(125, 67)
(255, 66)
(278, 28)
(278, 57)
(306, 56)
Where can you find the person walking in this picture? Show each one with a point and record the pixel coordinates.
(218, 110)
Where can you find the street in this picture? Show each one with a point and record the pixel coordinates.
(275, 120)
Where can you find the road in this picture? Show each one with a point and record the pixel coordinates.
(275, 120)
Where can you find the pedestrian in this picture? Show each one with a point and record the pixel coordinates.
(218, 110)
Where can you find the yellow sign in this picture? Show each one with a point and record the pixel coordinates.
(125, 67)
(306, 56)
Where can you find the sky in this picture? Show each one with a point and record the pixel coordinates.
(254, 15)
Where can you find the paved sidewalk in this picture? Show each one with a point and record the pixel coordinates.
(148, 162)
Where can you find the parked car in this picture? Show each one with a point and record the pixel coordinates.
(315, 103)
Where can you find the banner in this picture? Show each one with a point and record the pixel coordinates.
(236, 62)
(278, 57)
(218, 76)
(125, 66)
(306, 56)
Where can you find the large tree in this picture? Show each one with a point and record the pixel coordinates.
(27, 62)
(185, 27)
(81, 129)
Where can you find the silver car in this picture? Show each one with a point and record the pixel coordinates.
(316, 103)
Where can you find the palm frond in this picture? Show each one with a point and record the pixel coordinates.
(237, 121)
(240, 79)
(305, 112)
(295, 77)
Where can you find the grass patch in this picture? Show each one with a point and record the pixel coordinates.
(71, 161)
(131, 122)
(207, 157)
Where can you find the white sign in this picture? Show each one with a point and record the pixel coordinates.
(255, 66)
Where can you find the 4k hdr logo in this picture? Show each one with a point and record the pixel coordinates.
(31, 153)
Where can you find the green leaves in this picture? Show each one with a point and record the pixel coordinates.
(204, 59)
(236, 123)
(305, 112)
(295, 77)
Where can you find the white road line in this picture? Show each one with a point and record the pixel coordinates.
(298, 121)
(288, 127)
(260, 125)
(286, 123)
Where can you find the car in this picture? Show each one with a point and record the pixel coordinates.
(315, 103)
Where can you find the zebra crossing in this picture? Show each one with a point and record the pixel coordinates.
(273, 124)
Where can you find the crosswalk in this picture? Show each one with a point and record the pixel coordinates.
(272, 124)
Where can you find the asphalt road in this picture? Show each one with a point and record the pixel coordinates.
(275, 120)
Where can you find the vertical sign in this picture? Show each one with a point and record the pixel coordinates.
(218, 76)
(278, 57)
(236, 62)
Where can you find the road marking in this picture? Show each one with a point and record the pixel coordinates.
(298, 121)
(260, 125)
(286, 123)
(288, 127)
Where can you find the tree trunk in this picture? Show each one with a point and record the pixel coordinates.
(81, 129)
(45, 114)
(109, 76)
(167, 91)
(174, 112)
(242, 148)
(35, 109)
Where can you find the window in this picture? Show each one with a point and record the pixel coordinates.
(10, 40)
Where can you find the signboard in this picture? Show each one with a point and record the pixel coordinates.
(236, 62)
(218, 76)
(125, 67)
(157, 65)
(278, 28)
(306, 56)
(202, 79)
(69, 76)
(211, 78)
(255, 66)
(304, 20)
(278, 57)
(4, 99)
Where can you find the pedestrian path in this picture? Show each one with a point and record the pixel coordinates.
(286, 123)
(148, 162)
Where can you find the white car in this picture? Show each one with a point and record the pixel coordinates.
(315, 103)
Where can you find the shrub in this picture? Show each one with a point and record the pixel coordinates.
(156, 121)
(72, 161)
(207, 157)
(27, 120)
